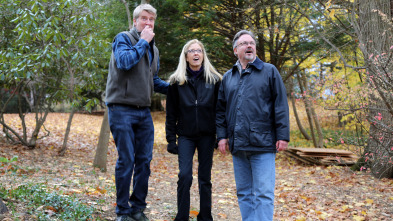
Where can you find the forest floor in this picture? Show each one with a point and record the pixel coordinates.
(303, 192)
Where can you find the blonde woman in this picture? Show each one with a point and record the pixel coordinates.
(190, 120)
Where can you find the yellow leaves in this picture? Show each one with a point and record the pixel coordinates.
(96, 191)
(358, 218)
(301, 218)
(305, 198)
(323, 216)
(345, 208)
(312, 182)
(328, 4)
(369, 202)
(331, 13)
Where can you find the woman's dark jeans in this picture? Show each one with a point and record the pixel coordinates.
(205, 147)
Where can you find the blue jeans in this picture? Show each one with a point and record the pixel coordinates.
(187, 146)
(255, 176)
(133, 131)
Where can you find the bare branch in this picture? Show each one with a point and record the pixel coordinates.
(301, 11)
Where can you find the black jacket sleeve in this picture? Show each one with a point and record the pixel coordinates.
(221, 124)
(172, 113)
(281, 109)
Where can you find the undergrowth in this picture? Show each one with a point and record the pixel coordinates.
(338, 138)
(45, 205)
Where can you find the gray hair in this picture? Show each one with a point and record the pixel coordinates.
(240, 33)
(144, 7)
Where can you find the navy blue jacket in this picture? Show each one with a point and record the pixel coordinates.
(252, 108)
(191, 108)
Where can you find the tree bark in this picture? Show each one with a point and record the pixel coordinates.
(67, 133)
(100, 158)
(3, 207)
(374, 29)
(317, 126)
(128, 14)
(298, 122)
(308, 112)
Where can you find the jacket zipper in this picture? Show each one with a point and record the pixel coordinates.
(196, 113)
(194, 87)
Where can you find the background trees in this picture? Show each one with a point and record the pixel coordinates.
(51, 55)
(363, 93)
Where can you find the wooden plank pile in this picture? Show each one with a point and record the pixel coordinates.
(322, 156)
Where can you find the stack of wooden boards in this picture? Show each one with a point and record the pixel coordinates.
(322, 156)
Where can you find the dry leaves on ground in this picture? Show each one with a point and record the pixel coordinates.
(302, 192)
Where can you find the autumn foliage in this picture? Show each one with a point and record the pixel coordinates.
(303, 192)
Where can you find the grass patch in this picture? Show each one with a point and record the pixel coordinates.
(333, 138)
(46, 205)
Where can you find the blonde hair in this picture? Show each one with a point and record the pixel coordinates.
(210, 73)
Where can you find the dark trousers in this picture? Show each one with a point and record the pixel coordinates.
(205, 147)
(133, 132)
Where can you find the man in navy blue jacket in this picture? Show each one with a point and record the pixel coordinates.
(132, 78)
(253, 123)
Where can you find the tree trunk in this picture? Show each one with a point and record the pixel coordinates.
(298, 122)
(128, 13)
(3, 207)
(317, 126)
(313, 116)
(100, 158)
(40, 119)
(308, 112)
(67, 133)
(374, 29)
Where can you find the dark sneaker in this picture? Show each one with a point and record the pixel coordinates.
(124, 218)
(139, 216)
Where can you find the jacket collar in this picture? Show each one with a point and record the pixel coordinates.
(137, 34)
(257, 64)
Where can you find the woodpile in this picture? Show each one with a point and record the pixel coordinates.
(322, 156)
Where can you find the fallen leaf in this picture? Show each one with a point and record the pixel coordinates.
(358, 218)
(222, 215)
(193, 213)
(369, 201)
